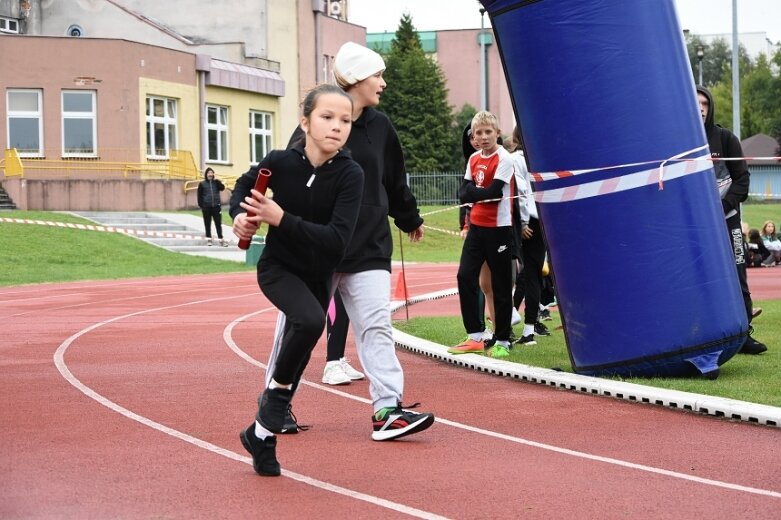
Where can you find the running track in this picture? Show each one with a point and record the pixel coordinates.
(125, 399)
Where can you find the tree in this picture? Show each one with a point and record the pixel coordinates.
(416, 102)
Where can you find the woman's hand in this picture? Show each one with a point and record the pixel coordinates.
(264, 209)
(417, 235)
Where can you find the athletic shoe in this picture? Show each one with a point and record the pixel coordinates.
(541, 330)
(291, 425)
(274, 405)
(393, 423)
(516, 318)
(545, 315)
(469, 346)
(264, 452)
(499, 352)
(527, 340)
(752, 346)
(333, 374)
(756, 311)
(353, 374)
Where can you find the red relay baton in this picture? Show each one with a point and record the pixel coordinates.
(264, 174)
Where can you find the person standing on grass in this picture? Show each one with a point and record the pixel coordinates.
(363, 278)
(529, 286)
(317, 192)
(733, 181)
(211, 207)
(489, 175)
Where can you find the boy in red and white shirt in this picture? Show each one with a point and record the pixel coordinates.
(489, 177)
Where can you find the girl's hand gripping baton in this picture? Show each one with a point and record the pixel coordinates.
(264, 174)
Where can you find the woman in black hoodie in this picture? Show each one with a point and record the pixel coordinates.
(363, 276)
(317, 192)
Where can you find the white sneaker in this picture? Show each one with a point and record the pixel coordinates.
(333, 374)
(353, 374)
(516, 319)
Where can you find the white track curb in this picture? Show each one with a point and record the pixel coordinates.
(706, 404)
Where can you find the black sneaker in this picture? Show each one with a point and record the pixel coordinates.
(752, 346)
(291, 423)
(274, 406)
(526, 341)
(541, 330)
(545, 315)
(264, 452)
(393, 423)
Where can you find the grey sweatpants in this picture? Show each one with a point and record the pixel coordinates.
(366, 297)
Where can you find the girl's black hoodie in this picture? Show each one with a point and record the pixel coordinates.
(375, 145)
(321, 208)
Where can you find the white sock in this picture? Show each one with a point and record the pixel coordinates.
(505, 344)
(476, 336)
(261, 433)
(528, 329)
(273, 384)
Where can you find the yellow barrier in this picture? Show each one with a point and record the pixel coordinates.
(12, 164)
(179, 165)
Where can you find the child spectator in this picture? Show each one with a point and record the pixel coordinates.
(771, 240)
(489, 178)
(317, 192)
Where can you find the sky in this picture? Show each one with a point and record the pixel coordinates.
(698, 16)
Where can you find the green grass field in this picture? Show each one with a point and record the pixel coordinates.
(38, 254)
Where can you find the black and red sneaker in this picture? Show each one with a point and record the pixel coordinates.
(394, 422)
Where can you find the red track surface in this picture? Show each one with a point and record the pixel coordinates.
(124, 400)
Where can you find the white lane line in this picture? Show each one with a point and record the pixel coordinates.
(518, 440)
(59, 361)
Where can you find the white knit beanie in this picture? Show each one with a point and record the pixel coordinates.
(355, 63)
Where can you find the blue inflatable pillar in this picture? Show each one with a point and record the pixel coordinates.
(644, 271)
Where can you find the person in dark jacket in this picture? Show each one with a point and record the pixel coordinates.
(211, 207)
(317, 193)
(732, 178)
(363, 278)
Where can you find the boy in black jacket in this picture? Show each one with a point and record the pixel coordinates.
(211, 207)
(733, 180)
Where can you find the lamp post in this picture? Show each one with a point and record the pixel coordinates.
(700, 55)
(483, 72)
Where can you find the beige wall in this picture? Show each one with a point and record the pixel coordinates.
(98, 195)
(283, 47)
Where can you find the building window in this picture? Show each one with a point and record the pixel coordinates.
(25, 116)
(9, 25)
(259, 135)
(79, 123)
(217, 133)
(160, 127)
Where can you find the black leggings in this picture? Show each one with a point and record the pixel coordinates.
(304, 303)
(529, 283)
(209, 214)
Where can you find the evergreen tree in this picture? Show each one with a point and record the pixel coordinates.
(416, 102)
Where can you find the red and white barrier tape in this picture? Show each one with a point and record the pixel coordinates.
(623, 183)
(109, 229)
(547, 176)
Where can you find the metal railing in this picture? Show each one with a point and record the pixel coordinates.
(111, 164)
(435, 188)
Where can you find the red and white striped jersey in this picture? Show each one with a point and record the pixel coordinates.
(483, 170)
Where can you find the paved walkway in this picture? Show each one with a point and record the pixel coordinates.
(188, 230)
